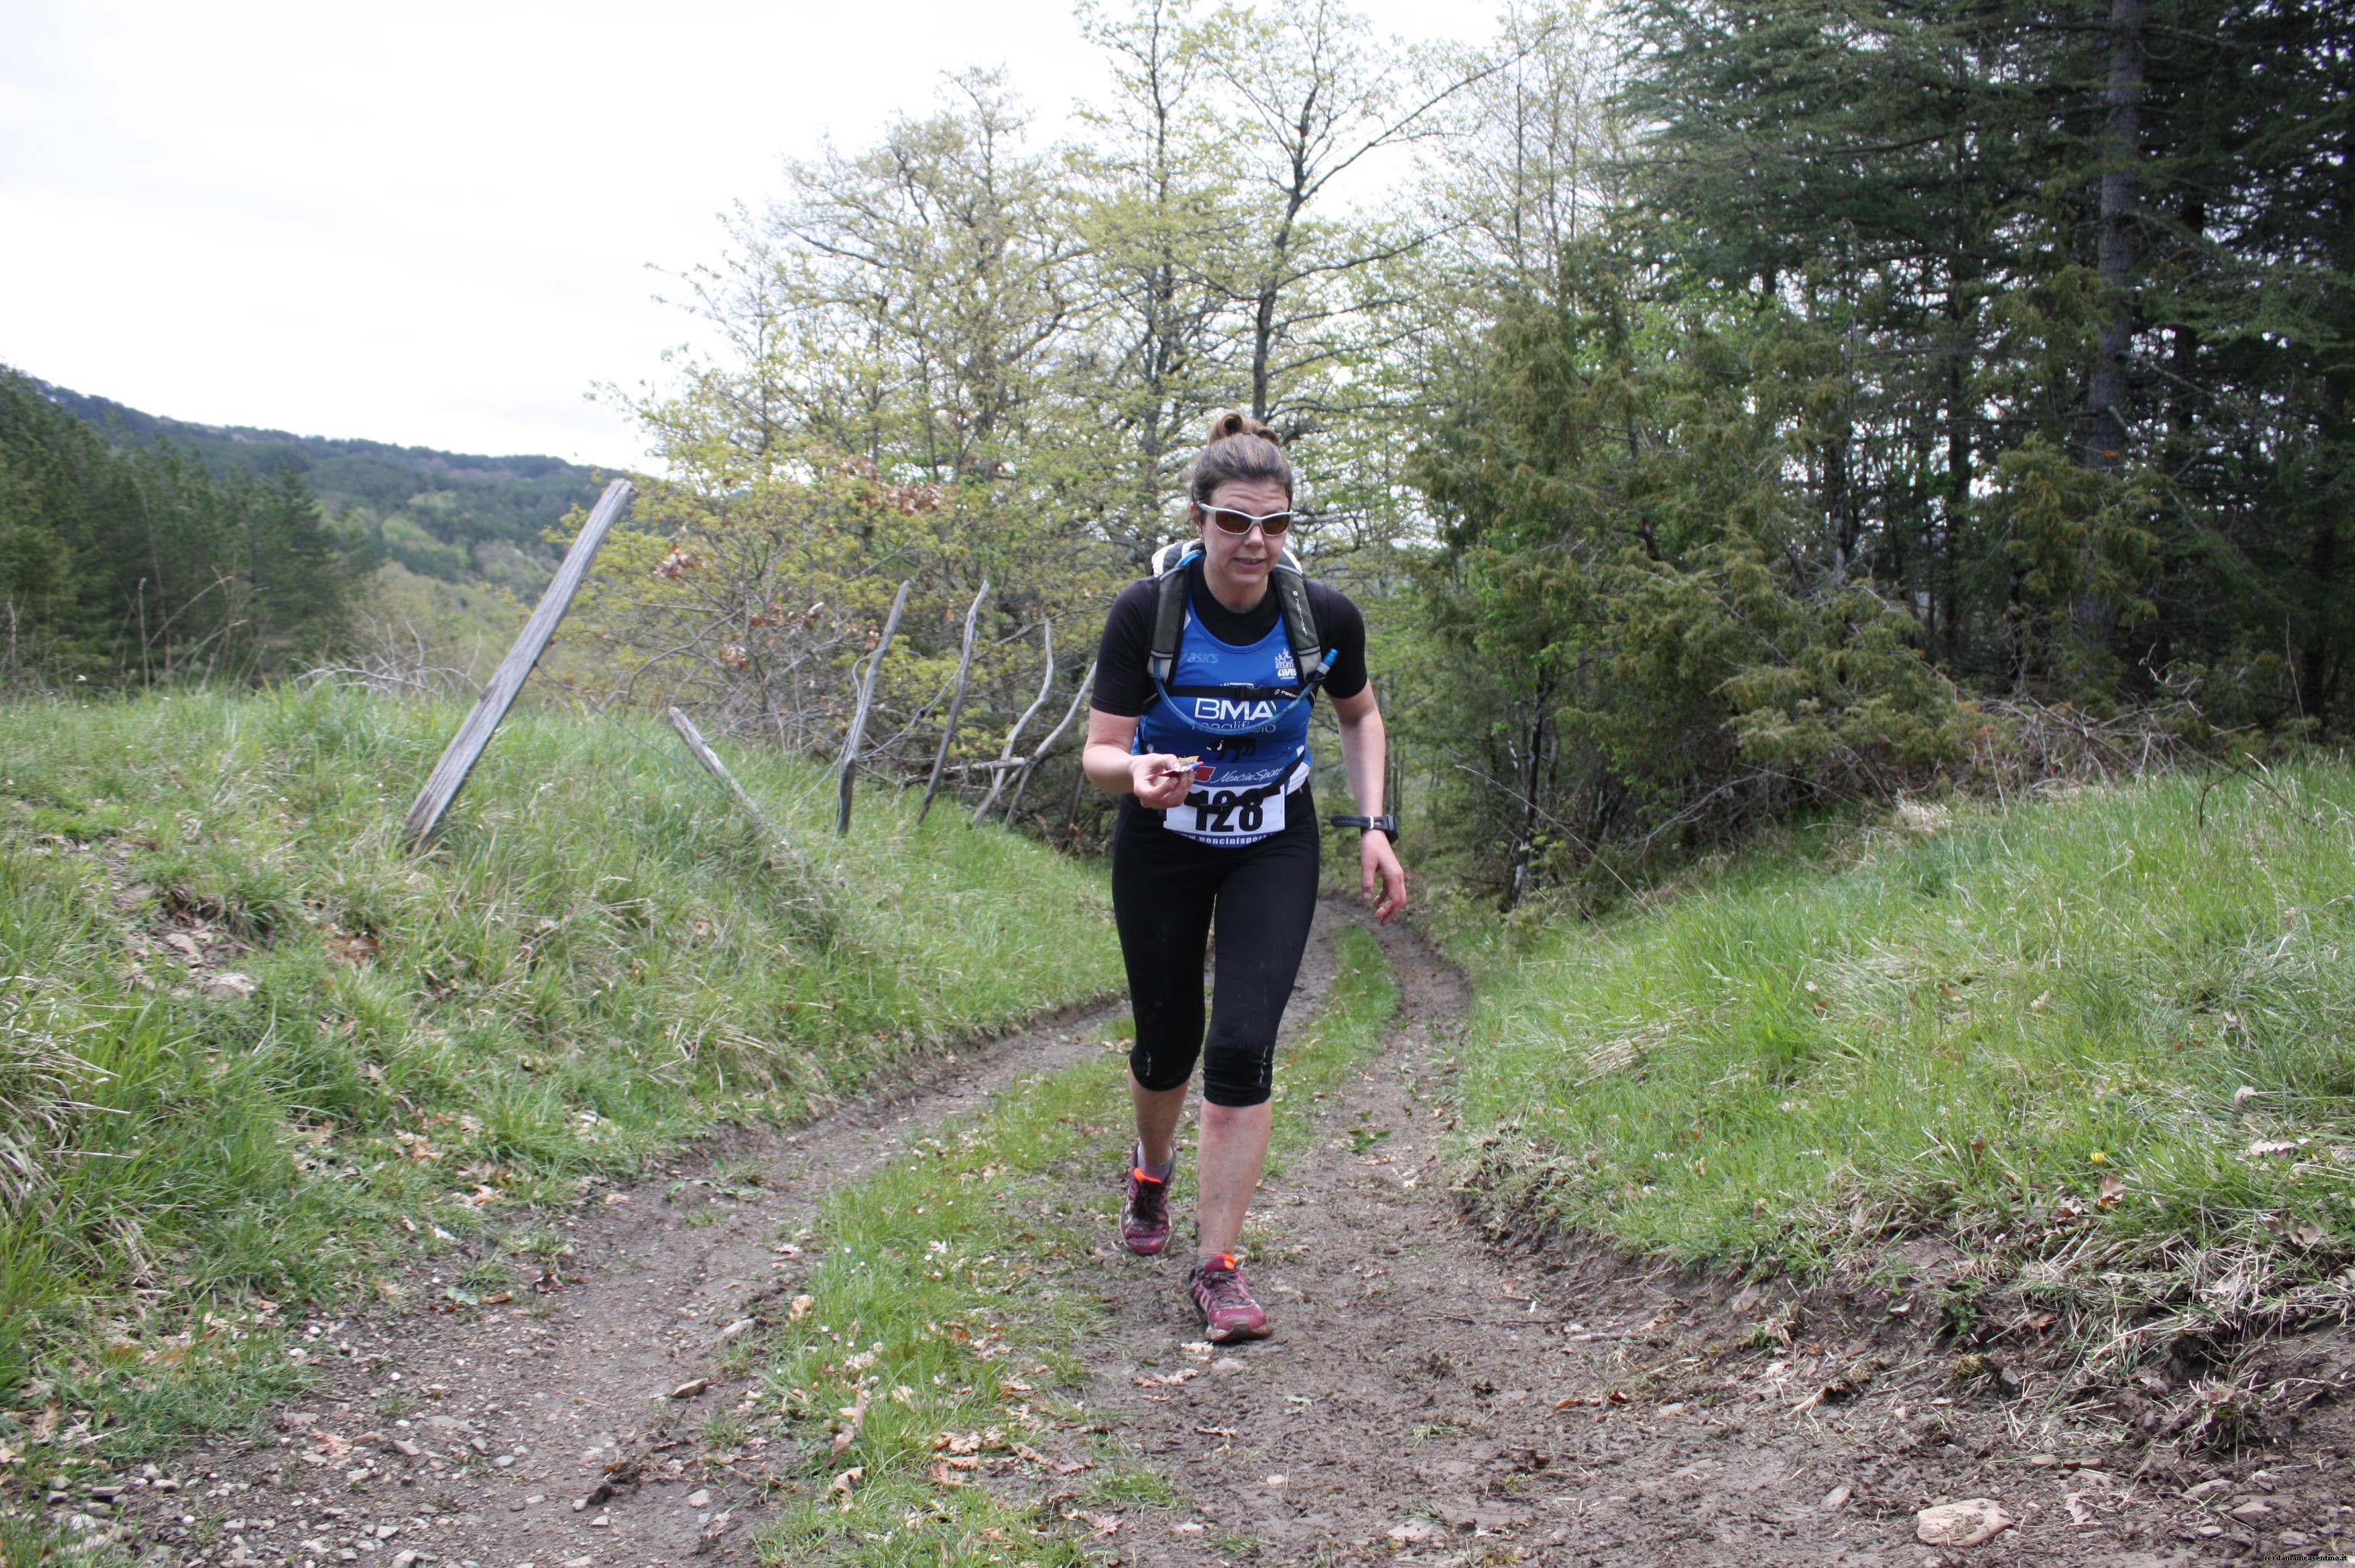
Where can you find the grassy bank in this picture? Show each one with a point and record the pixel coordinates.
(952, 1300)
(250, 1051)
(2102, 1041)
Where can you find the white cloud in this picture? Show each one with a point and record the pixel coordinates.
(428, 222)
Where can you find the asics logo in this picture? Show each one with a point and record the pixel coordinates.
(1232, 711)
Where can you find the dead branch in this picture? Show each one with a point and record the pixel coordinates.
(1039, 754)
(956, 703)
(1046, 682)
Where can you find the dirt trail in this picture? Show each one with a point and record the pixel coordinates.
(1430, 1398)
(1412, 1406)
(505, 1418)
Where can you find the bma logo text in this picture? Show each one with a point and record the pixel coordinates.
(1233, 711)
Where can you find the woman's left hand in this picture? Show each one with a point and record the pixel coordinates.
(1378, 859)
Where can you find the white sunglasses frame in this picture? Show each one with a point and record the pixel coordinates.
(1210, 515)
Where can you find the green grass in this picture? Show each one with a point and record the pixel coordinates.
(597, 960)
(1346, 1031)
(955, 1295)
(1966, 1028)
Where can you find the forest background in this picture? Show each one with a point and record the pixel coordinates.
(1718, 411)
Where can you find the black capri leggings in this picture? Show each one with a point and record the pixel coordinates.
(1166, 888)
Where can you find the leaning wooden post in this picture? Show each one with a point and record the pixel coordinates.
(956, 704)
(858, 718)
(449, 775)
(701, 750)
(1015, 734)
(1038, 752)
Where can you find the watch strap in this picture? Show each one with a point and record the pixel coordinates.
(1384, 824)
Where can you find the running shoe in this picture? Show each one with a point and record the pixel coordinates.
(1144, 1212)
(1228, 1313)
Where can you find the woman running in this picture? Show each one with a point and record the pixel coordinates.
(1207, 742)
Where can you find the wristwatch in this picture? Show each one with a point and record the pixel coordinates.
(1385, 822)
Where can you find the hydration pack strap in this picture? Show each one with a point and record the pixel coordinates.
(1291, 697)
(1291, 586)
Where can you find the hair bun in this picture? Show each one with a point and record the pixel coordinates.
(1239, 447)
(1228, 423)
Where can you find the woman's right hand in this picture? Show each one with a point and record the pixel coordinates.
(1159, 781)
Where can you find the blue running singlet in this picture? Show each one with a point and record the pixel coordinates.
(1227, 705)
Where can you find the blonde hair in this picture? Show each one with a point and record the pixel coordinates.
(1238, 448)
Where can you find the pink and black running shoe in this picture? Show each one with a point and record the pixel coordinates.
(1228, 1313)
(1145, 1211)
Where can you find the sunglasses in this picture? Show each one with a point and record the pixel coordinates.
(1275, 524)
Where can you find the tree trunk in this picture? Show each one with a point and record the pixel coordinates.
(2105, 400)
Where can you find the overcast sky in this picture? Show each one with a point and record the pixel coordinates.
(430, 222)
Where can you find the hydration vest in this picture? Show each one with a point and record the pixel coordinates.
(1242, 710)
(1285, 580)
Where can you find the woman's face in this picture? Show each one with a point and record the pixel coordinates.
(1242, 559)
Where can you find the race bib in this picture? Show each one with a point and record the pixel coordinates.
(1226, 815)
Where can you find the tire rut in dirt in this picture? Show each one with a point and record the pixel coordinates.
(518, 1410)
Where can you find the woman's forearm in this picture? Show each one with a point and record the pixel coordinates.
(1107, 767)
(1365, 752)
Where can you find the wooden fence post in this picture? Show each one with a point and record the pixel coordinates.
(858, 719)
(956, 704)
(449, 775)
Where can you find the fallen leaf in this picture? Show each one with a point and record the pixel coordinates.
(849, 1478)
(849, 1433)
(355, 948)
(2265, 1146)
(690, 1389)
(1061, 1466)
(2113, 1193)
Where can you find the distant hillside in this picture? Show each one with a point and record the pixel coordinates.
(446, 515)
